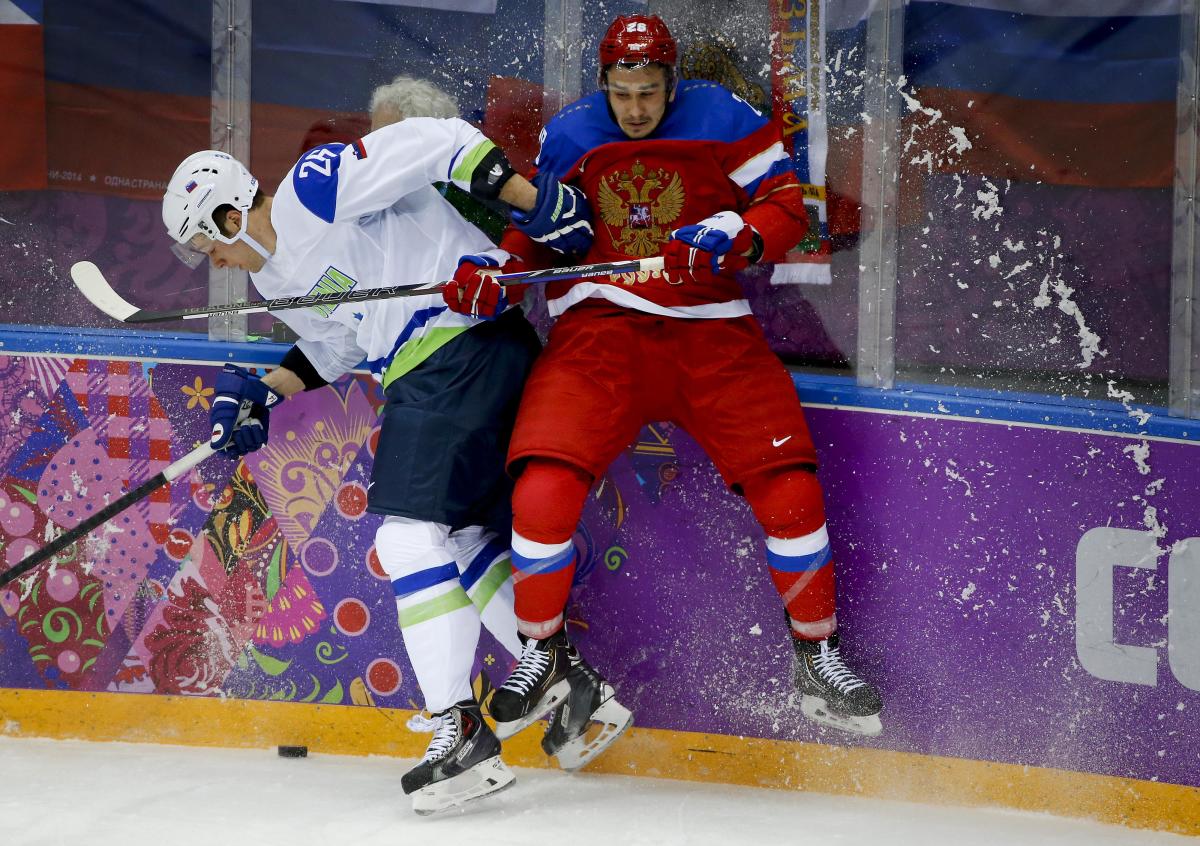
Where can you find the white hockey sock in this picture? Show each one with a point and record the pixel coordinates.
(486, 568)
(439, 623)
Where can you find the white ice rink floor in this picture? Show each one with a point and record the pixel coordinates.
(95, 794)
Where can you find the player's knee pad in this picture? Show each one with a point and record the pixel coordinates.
(786, 502)
(406, 547)
(548, 500)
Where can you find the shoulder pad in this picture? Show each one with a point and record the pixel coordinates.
(315, 180)
(707, 110)
(581, 126)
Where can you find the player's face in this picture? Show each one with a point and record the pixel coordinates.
(239, 255)
(638, 98)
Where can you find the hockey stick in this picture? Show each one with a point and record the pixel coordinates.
(91, 282)
(172, 472)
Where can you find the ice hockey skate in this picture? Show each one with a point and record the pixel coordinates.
(537, 685)
(832, 693)
(588, 722)
(461, 764)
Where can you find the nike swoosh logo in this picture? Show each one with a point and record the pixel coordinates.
(778, 442)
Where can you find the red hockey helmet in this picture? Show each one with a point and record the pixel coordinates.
(637, 40)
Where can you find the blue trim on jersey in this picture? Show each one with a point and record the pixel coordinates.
(702, 111)
(542, 566)
(423, 579)
(777, 167)
(419, 319)
(315, 180)
(799, 563)
(481, 562)
(453, 161)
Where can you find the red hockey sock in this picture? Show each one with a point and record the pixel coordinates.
(547, 503)
(788, 505)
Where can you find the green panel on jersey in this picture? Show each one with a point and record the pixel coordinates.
(419, 349)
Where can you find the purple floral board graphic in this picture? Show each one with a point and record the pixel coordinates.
(1021, 594)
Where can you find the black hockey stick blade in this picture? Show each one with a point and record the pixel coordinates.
(66, 539)
(92, 284)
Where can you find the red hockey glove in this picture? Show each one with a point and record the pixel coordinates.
(474, 289)
(704, 251)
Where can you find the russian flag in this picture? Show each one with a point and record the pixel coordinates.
(1069, 92)
(23, 93)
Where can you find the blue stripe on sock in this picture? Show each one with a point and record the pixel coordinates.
(537, 566)
(481, 562)
(410, 584)
(800, 563)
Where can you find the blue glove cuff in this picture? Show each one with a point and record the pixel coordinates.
(238, 382)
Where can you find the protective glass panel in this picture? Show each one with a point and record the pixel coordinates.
(800, 64)
(317, 63)
(1035, 218)
(100, 100)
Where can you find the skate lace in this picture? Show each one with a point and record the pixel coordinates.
(445, 733)
(830, 666)
(532, 664)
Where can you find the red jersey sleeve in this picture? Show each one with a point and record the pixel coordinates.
(759, 164)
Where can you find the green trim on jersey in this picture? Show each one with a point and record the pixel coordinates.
(466, 168)
(419, 349)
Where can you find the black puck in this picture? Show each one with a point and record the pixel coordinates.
(293, 751)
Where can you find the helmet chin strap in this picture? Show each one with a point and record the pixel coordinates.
(254, 245)
(244, 235)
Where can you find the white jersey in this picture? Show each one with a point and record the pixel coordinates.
(365, 215)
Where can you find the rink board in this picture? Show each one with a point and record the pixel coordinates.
(236, 596)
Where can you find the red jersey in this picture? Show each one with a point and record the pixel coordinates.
(713, 152)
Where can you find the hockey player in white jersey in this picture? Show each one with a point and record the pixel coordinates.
(365, 215)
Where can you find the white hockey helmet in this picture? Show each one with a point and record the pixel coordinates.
(202, 183)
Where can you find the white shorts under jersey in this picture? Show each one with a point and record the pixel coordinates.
(365, 215)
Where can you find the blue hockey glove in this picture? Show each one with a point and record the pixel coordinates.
(562, 218)
(713, 247)
(240, 415)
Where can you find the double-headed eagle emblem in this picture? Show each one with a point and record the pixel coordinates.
(643, 206)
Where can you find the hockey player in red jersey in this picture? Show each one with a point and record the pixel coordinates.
(686, 169)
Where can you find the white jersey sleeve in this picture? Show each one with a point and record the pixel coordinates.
(330, 346)
(342, 182)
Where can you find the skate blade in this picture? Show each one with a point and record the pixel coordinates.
(483, 779)
(817, 710)
(554, 697)
(609, 722)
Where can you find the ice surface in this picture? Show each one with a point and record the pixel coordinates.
(68, 792)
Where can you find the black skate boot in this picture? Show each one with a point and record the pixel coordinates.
(833, 694)
(538, 684)
(588, 722)
(461, 764)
